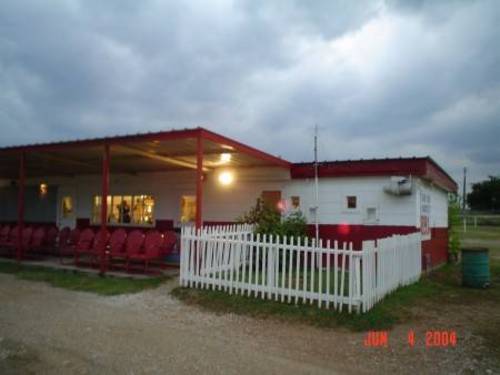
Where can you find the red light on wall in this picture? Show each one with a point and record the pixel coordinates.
(281, 205)
(344, 229)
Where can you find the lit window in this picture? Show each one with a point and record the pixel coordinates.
(188, 208)
(295, 202)
(351, 202)
(125, 209)
(66, 207)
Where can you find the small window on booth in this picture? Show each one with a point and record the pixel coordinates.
(67, 207)
(352, 202)
(371, 215)
(295, 202)
(188, 208)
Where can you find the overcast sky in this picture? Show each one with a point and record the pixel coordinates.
(381, 79)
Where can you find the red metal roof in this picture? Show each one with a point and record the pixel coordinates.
(424, 167)
(145, 152)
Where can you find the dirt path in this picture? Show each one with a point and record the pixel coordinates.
(44, 330)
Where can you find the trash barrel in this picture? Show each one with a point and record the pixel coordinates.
(475, 267)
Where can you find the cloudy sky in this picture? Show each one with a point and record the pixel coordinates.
(380, 78)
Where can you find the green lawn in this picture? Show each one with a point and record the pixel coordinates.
(74, 280)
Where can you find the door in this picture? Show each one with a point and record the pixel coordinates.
(66, 207)
(272, 198)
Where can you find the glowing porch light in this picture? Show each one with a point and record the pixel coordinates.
(43, 189)
(226, 178)
(225, 158)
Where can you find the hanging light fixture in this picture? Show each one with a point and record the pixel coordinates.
(225, 158)
(226, 178)
(44, 189)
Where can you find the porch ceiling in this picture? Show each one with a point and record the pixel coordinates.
(163, 151)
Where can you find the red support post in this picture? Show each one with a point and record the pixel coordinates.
(199, 181)
(20, 207)
(104, 202)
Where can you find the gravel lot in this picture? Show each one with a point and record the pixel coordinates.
(44, 330)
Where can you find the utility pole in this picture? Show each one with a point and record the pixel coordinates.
(464, 199)
(316, 208)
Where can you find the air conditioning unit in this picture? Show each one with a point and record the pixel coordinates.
(399, 186)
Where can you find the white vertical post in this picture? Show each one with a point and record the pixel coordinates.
(328, 255)
(290, 267)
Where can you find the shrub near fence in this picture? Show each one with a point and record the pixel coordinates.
(294, 270)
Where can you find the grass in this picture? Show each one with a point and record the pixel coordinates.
(79, 281)
(393, 309)
(439, 290)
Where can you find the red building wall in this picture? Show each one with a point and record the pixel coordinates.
(434, 251)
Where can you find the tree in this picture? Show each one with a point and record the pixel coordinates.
(453, 227)
(485, 195)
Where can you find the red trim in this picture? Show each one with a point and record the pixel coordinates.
(20, 207)
(423, 167)
(358, 233)
(160, 224)
(435, 249)
(217, 138)
(104, 202)
(199, 181)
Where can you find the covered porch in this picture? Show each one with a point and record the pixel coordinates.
(141, 175)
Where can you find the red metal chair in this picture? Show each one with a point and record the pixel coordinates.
(10, 242)
(133, 246)
(99, 246)
(37, 240)
(4, 234)
(26, 237)
(84, 243)
(51, 239)
(117, 249)
(151, 250)
(66, 242)
(169, 242)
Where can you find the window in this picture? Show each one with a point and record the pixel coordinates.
(125, 209)
(351, 202)
(371, 215)
(188, 208)
(295, 202)
(66, 207)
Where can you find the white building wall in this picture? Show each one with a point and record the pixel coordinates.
(438, 202)
(227, 203)
(220, 203)
(333, 192)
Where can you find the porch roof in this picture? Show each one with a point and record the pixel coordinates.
(135, 153)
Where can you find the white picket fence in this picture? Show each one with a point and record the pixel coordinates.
(293, 270)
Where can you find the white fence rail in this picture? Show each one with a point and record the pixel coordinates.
(294, 270)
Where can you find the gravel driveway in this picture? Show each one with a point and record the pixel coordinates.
(44, 330)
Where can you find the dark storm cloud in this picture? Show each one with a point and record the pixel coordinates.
(380, 78)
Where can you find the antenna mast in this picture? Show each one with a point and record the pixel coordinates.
(316, 207)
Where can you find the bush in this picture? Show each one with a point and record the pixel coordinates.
(269, 221)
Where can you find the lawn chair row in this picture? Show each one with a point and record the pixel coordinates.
(40, 239)
(134, 247)
(125, 248)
